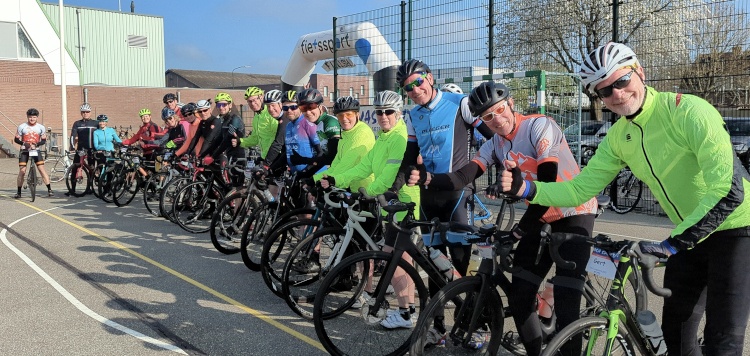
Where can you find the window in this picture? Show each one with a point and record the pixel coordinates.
(325, 90)
(25, 47)
(137, 41)
(16, 44)
(351, 91)
(361, 90)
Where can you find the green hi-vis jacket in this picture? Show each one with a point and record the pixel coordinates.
(264, 132)
(354, 145)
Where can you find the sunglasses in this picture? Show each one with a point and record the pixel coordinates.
(491, 116)
(308, 107)
(417, 82)
(201, 111)
(385, 112)
(169, 101)
(290, 107)
(623, 82)
(221, 105)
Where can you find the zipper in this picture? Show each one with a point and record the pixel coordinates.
(650, 167)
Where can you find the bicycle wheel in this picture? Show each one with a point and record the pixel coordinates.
(346, 330)
(105, 185)
(194, 206)
(257, 227)
(57, 172)
(466, 303)
(79, 184)
(308, 263)
(31, 180)
(627, 193)
(152, 191)
(588, 336)
(168, 195)
(506, 216)
(277, 247)
(127, 188)
(229, 220)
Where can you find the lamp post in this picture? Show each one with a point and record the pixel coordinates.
(235, 70)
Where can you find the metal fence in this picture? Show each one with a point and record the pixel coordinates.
(689, 46)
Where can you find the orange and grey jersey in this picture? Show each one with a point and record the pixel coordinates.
(537, 139)
(31, 133)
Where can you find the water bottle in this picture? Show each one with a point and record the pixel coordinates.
(474, 262)
(443, 264)
(267, 194)
(546, 301)
(647, 320)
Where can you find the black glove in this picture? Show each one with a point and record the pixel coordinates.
(515, 185)
(307, 181)
(296, 159)
(658, 249)
(494, 190)
(389, 195)
(259, 171)
(422, 173)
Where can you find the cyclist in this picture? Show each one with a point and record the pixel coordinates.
(171, 103)
(176, 131)
(301, 140)
(105, 136)
(438, 127)
(356, 140)
(384, 160)
(82, 135)
(202, 110)
(539, 143)
(276, 157)
(148, 131)
(208, 135)
(677, 145)
(264, 124)
(30, 136)
(310, 103)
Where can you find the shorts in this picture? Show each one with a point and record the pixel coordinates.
(23, 158)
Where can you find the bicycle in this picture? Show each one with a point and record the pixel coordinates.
(31, 176)
(233, 213)
(84, 175)
(616, 328)
(506, 215)
(625, 191)
(106, 174)
(129, 178)
(59, 165)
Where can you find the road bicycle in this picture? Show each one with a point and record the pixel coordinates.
(57, 166)
(624, 191)
(481, 215)
(31, 175)
(84, 176)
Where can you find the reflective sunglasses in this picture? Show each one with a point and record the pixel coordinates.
(385, 112)
(623, 82)
(221, 105)
(417, 82)
(491, 116)
(290, 107)
(308, 107)
(201, 111)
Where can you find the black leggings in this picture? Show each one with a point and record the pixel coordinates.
(712, 277)
(525, 284)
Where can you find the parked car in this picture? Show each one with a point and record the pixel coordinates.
(739, 133)
(590, 142)
(588, 129)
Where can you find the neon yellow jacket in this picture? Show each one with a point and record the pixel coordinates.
(678, 146)
(264, 132)
(384, 160)
(354, 145)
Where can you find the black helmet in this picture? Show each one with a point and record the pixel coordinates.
(309, 96)
(169, 96)
(410, 67)
(32, 112)
(345, 103)
(102, 117)
(186, 109)
(486, 95)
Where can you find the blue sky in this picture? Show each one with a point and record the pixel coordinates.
(221, 35)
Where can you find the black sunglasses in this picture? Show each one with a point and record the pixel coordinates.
(290, 107)
(620, 83)
(387, 112)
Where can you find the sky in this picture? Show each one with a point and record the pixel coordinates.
(221, 35)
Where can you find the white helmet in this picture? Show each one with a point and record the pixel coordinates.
(86, 107)
(451, 88)
(387, 99)
(603, 61)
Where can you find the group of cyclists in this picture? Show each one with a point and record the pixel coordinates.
(674, 143)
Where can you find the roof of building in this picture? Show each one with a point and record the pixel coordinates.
(225, 80)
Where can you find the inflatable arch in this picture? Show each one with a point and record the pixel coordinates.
(361, 39)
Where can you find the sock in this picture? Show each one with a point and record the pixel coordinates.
(412, 309)
(48, 187)
(19, 190)
(404, 313)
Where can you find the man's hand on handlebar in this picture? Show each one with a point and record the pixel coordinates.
(658, 249)
(327, 182)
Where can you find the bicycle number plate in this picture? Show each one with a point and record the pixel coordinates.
(603, 264)
(485, 251)
(33, 153)
(123, 149)
(136, 160)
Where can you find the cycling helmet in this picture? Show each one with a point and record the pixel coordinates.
(410, 67)
(603, 61)
(85, 107)
(272, 96)
(290, 96)
(486, 95)
(102, 117)
(451, 88)
(387, 99)
(203, 104)
(32, 112)
(253, 91)
(166, 113)
(309, 96)
(144, 112)
(223, 97)
(169, 96)
(345, 103)
(187, 109)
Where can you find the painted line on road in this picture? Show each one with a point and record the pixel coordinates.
(73, 300)
(209, 290)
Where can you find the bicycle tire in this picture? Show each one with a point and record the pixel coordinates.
(277, 247)
(506, 216)
(31, 180)
(303, 272)
(592, 331)
(228, 221)
(105, 185)
(337, 324)
(82, 178)
(628, 194)
(168, 194)
(152, 192)
(129, 182)
(57, 172)
(463, 293)
(194, 206)
(254, 234)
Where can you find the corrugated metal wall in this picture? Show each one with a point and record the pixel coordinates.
(107, 56)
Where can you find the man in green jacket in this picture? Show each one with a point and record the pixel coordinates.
(678, 146)
(264, 124)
